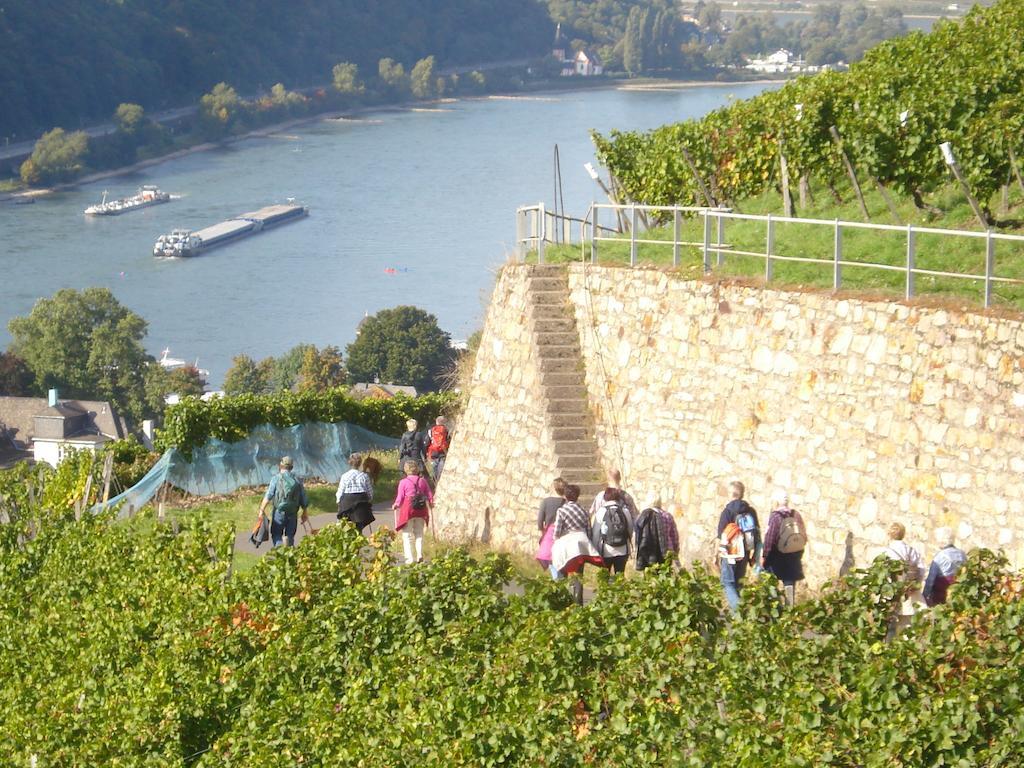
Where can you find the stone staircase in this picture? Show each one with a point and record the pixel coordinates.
(562, 381)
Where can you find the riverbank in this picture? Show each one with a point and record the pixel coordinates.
(545, 87)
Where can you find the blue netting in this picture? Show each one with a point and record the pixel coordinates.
(319, 451)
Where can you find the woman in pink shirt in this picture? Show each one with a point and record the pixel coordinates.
(412, 510)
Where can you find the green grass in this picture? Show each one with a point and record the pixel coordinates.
(932, 252)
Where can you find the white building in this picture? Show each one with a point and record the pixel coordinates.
(780, 61)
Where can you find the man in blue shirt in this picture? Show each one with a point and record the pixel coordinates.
(287, 496)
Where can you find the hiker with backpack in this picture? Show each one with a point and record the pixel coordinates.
(410, 446)
(355, 492)
(944, 569)
(286, 496)
(572, 548)
(614, 481)
(739, 539)
(413, 500)
(546, 522)
(656, 534)
(784, 542)
(913, 572)
(611, 530)
(438, 440)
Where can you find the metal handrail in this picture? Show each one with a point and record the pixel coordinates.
(628, 217)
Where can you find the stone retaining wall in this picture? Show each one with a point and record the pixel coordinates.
(866, 411)
(498, 467)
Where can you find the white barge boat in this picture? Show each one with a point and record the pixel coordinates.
(184, 242)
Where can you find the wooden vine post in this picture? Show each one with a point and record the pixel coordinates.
(787, 198)
(954, 166)
(709, 201)
(838, 141)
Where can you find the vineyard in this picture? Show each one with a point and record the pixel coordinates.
(887, 116)
(134, 644)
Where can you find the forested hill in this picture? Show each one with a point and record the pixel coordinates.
(67, 62)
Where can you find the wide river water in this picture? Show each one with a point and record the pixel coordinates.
(406, 207)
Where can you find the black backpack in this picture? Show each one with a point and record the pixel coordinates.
(615, 530)
(648, 543)
(410, 446)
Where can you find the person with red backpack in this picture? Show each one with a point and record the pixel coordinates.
(738, 539)
(438, 441)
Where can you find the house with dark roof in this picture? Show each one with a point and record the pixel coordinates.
(45, 428)
(382, 391)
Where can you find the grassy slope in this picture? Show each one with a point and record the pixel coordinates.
(932, 252)
(239, 509)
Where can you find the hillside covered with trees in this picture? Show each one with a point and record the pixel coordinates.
(72, 62)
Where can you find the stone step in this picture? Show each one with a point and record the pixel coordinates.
(586, 446)
(569, 419)
(555, 325)
(567, 379)
(570, 433)
(548, 270)
(573, 405)
(570, 392)
(574, 462)
(549, 311)
(550, 353)
(543, 283)
(557, 364)
(545, 298)
(557, 339)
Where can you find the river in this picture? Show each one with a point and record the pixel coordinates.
(406, 207)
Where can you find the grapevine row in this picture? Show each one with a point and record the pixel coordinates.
(960, 83)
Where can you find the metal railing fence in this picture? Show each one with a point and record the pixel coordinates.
(537, 228)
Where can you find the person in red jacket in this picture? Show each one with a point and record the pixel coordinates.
(438, 440)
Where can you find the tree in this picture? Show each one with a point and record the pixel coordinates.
(86, 344)
(422, 79)
(285, 370)
(633, 41)
(346, 79)
(15, 377)
(282, 97)
(246, 377)
(323, 369)
(129, 118)
(220, 109)
(161, 382)
(57, 156)
(392, 75)
(403, 345)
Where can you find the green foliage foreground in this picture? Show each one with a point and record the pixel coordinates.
(129, 646)
(192, 421)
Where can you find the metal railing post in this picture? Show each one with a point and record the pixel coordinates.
(909, 293)
(707, 242)
(677, 221)
(518, 251)
(720, 239)
(769, 247)
(632, 235)
(990, 257)
(541, 232)
(837, 257)
(594, 232)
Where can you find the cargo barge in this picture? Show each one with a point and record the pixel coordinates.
(146, 196)
(184, 242)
